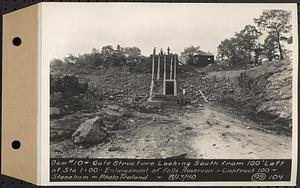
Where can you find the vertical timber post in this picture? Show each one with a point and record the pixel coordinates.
(152, 79)
(171, 68)
(175, 82)
(164, 81)
(158, 67)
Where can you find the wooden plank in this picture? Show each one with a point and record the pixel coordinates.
(152, 79)
(164, 81)
(205, 99)
(158, 68)
(171, 68)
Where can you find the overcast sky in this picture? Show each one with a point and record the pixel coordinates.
(76, 28)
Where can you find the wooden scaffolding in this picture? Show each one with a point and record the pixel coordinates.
(163, 80)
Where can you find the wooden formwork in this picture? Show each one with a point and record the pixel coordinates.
(163, 80)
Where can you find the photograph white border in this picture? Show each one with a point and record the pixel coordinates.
(44, 138)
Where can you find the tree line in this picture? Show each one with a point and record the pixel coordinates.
(107, 56)
(265, 40)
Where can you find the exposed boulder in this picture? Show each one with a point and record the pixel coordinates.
(92, 131)
(54, 111)
(60, 134)
(119, 125)
(68, 85)
(111, 116)
(71, 93)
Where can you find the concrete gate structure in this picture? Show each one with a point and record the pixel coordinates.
(163, 88)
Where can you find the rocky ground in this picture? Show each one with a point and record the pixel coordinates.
(210, 131)
(248, 115)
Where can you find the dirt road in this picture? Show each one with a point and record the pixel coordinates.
(194, 132)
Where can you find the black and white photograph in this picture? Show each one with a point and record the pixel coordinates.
(171, 80)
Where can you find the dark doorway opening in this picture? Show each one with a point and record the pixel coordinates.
(170, 87)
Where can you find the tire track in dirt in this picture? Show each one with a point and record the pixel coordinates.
(221, 135)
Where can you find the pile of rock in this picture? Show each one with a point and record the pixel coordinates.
(213, 88)
(122, 87)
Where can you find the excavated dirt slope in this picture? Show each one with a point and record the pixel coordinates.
(264, 93)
